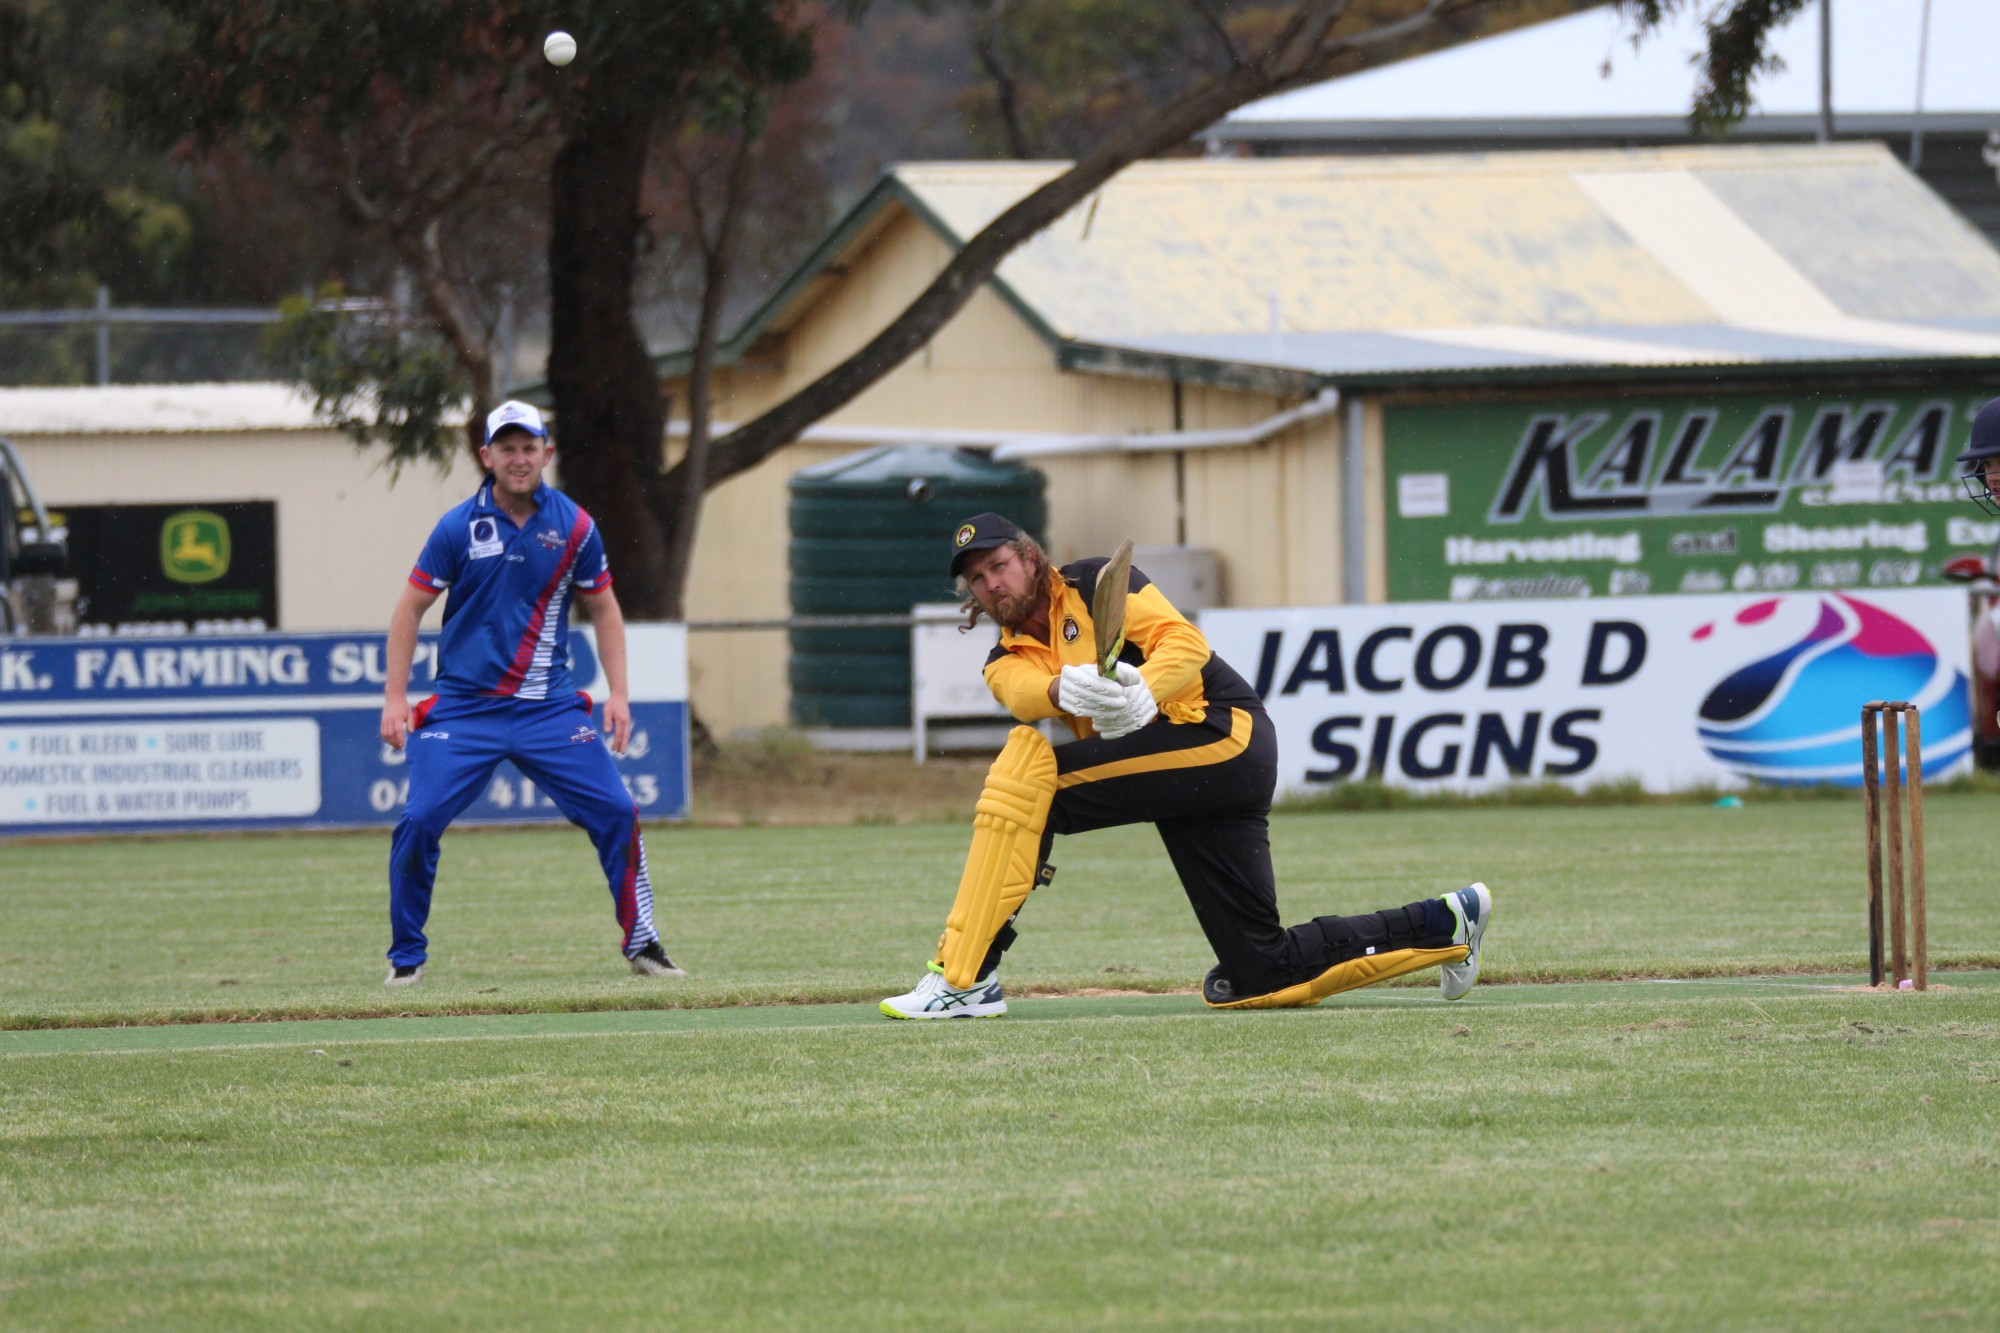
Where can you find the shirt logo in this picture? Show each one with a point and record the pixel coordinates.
(965, 535)
(548, 538)
(1070, 631)
(485, 539)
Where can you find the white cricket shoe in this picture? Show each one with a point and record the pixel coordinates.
(652, 961)
(1472, 908)
(932, 998)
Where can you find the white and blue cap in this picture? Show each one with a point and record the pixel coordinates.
(512, 413)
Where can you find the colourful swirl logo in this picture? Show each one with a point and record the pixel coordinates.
(1793, 715)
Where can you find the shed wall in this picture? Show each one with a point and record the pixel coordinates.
(347, 533)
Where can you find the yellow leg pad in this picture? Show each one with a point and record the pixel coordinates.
(1006, 842)
(1350, 975)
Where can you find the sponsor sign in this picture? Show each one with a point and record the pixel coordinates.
(1624, 496)
(208, 568)
(947, 670)
(275, 731)
(1672, 691)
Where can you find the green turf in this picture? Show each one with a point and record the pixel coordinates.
(1730, 1154)
(141, 931)
(550, 1147)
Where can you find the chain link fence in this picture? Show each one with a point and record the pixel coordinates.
(107, 344)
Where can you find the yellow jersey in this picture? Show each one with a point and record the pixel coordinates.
(1186, 678)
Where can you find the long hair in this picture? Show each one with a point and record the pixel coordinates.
(1030, 553)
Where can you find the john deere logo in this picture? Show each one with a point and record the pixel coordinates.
(194, 546)
(964, 535)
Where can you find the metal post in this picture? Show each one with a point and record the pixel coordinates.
(1354, 503)
(103, 335)
(1917, 115)
(1826, 71)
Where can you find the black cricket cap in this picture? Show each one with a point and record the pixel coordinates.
(981, 532)
(1985, 441)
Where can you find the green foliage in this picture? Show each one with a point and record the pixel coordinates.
(433, 123)
(266, 70)
(379, 379)
(1738, 51)
(73, 210)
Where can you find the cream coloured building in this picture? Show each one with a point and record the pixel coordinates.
(1239, 355)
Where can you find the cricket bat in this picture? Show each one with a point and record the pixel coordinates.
(1107, 608)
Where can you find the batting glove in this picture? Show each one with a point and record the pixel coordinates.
(1084, 693)
(1136, 707)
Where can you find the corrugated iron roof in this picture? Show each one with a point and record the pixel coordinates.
(131, 409)
(149, 408)
(1356, 268)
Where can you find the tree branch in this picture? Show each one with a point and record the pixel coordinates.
(1302, 50)
(461, 329)
(688, 481)
(351, 187)
(1006, 92)
(471, 170)
(1213, 22)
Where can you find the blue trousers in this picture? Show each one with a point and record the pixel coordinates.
(455, 744)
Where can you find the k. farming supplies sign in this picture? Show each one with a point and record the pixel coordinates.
(272, 731)
(1621, 497)
(1673, 691)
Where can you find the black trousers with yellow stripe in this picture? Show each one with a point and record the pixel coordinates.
(1207, 787)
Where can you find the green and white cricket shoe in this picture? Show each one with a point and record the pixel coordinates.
(933, 998)
(1471, 907)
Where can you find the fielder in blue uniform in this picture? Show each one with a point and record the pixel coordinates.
(510, 558)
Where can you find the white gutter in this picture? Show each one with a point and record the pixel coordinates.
(1012, 446)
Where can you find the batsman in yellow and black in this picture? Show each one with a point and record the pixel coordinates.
(1174, 738)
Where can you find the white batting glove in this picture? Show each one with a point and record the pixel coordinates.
(1136, 707)
(1084, 693)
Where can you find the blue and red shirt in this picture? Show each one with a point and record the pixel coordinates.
(506, 619)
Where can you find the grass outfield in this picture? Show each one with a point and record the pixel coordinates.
(1729, 1152)
(120, 931)
(1725, 1154)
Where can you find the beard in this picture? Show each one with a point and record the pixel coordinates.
(1010, 612)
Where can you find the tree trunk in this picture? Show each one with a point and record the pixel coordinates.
(609, 416)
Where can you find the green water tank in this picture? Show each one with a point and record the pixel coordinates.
(871, 535)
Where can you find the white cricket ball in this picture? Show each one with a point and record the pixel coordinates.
(559, 47)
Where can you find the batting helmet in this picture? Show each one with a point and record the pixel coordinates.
(1980, 451)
